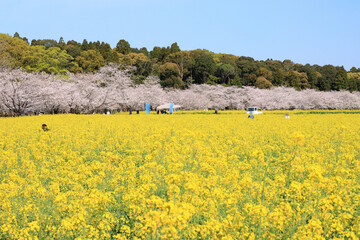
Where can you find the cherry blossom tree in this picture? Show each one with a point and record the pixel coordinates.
(111, 88)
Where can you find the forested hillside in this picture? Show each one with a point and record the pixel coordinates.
(175, 68)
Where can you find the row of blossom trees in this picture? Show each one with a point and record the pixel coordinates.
(112, 89)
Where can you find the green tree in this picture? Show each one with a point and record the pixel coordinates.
(95, 45)
(312, 74)
(288, 65)
(131, 58)
(52, 60)
(114, 56)
(225, 59)
(155, 53)
(13, 51)
(263, 83)
(340, 81)
(236, 81)
(73, 50)
(354, 70)
(90, 60)
(85, 45)
(92, 46)
(174, 48)
(61, 40)
(354, 81)
(25, 40)
(274, 65)
(183, 61)
(169, 75)
(35, 59)
(263, 72)
(278, 76)
(61, 43)
(106, 51)
(143, 67)
(160, 54)
(247, 68)
(144, 51)
(352, 85)
(123, 47)
(164, 52)
(74, 67)
(204, 66)
(17, 35)
(328, 76)
(225, 73)
(297, 80)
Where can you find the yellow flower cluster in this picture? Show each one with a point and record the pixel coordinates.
(181, 176)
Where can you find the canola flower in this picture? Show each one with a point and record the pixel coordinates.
(180, 176)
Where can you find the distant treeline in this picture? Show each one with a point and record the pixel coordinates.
(175, 68)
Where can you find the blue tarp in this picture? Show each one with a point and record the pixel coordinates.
(147, 108)
(171, 108)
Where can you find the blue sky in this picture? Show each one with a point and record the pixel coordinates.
(304, 31)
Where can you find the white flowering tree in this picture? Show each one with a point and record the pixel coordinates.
(112, 89)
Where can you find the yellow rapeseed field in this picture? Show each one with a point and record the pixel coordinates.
(181, 176)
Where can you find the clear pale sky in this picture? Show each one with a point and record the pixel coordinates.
(304, 31)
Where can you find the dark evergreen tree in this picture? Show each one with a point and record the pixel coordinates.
(354, 70)
(17, 35)
(225, 73)
(340, 81)
(278, 77)
(174, 48)
(328, 76)
(73, 50)
(123, 47)
(106, 51)
(155, 53)
(61, 43)
(204, 66)
(85, 45)
(164, 52)
(144, 51)
(247, 68)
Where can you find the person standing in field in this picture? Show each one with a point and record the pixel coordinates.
(45, 128)
(251, 116)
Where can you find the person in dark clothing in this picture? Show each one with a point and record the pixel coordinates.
(44, 127)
